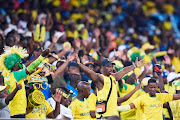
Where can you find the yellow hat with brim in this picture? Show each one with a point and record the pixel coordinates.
(147, 46)
(144, 81)
(67, 44)
(2, 87)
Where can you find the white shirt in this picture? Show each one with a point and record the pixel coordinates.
(64, 111)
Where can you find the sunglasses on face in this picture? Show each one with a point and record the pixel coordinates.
(39, 85)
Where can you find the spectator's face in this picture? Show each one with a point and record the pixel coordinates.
(152, 89)
(108, 69)
(91, 67)
(68, 101)
(164, 80)
(73, 69)
(87, 91)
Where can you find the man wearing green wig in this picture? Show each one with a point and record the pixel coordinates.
(13, 71)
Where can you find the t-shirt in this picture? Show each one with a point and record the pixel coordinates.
(152, 106)
(64, 111)
(92, 103)
(80, 109)
(19, 103)
(39, 111)
(4, 109)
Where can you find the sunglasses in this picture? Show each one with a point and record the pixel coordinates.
(62, 93)
(39, 85)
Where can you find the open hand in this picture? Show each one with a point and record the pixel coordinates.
(77, 59)
(71, 57)
(139, 63)
(57, 97)
(167, 60)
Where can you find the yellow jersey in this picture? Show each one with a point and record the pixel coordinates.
(19, 103)
(152, 106)
(80, 109)
(92, 103)
(175, 107)
(103, 94)
(39, 112)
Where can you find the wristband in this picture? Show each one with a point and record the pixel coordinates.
(123, 108)
(134, 65)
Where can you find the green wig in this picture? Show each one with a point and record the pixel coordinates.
(11, 60)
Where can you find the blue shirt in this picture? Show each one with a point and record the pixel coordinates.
(69, 87)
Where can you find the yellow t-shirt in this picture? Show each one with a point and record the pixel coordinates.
(103, 94)
(175, 108)
(127, 88)
(39, 112)
(19, 103)
(139, 113)
(80, 109)
(152, 106)
(92, 103)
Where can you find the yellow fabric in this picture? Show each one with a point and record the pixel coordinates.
(92, 103)
(85, 34)
(170, 90)
(176, 62)
(139, 113)
(103, 94)
(76, 16)
(80, 109)
(127, 88)
(152, 106)
(19, 103)
(39, 112)
(175, 105)
(71, 34)
(168, 8)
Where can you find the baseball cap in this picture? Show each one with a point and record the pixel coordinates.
(145, 80)
(86, 63)
(171, 76)
(73, 64)
(107, 62)
(2, 87)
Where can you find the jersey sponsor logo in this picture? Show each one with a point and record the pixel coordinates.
(84, 114)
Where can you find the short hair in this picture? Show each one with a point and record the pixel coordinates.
(151, 81)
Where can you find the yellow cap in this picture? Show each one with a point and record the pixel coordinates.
(146, 46)
(67, 44)
(2, 87)
(145, 80)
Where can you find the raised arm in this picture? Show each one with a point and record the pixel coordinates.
(126, 97)
(63, 66)
(125, 70)
(94, 76)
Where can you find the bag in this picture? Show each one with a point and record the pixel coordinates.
(102, 105)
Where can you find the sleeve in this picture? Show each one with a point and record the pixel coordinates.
(137, 102)
(18, 75)
(2, 103)
(167, 97)
(73, 108)
(49, 108)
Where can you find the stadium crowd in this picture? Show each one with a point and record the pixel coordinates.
(90, 59)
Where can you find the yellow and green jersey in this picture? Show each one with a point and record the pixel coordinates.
(152, 106)
(39, 112)
(80, 109)
(19, 103)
